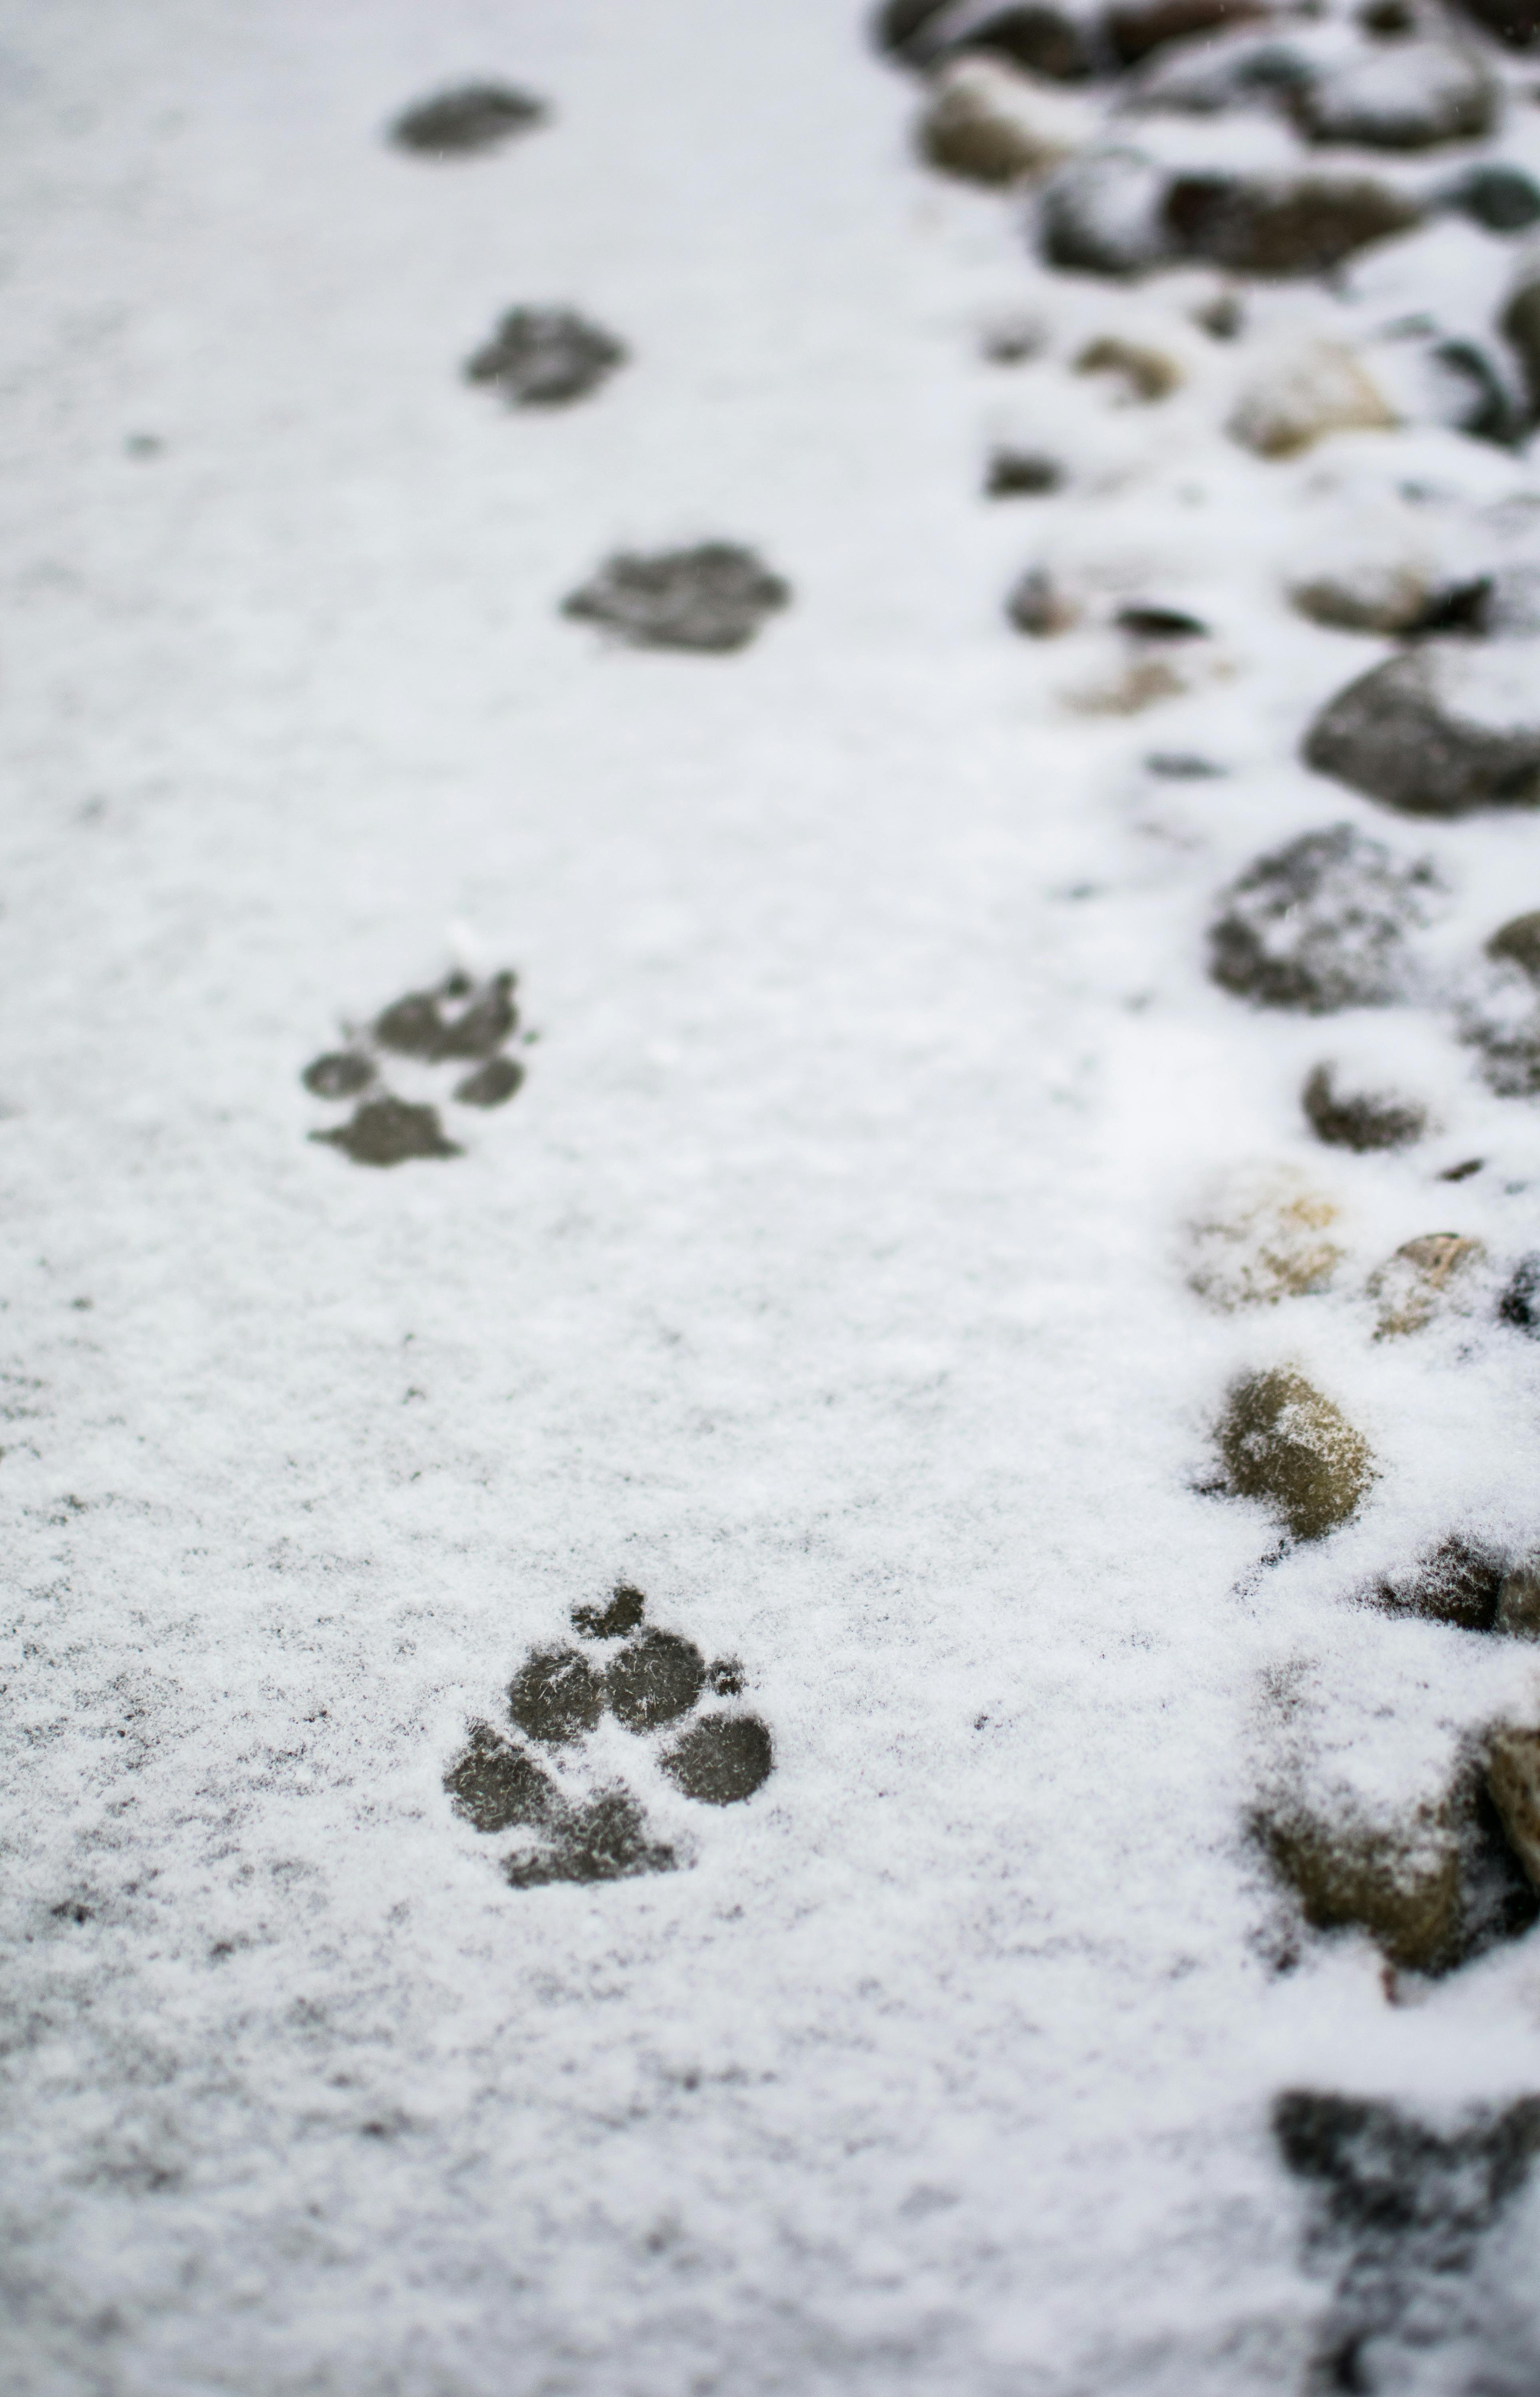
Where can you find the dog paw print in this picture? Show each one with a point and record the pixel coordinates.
(461, 1023)
(539, 1777)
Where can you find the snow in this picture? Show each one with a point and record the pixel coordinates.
(825, 1278)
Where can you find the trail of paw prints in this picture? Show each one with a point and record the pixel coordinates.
(541, 1783)
(424, 1039)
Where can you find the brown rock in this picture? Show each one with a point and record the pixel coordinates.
(1517, 943)
(1363, 1120)
(1414, 1283)
(1279, 226)
(1264, 1241)
(1147, 374)
(990, 123)
(1135, 31)
(1401, 1884)
(1518, 1601)
(1438, 731)
(1316, 388)
(1459, 1584)
(1284, 1442)
(1522, 327)
(1513, 1783)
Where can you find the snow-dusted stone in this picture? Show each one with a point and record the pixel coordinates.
(545, 357)
(1499, 197)
(1368, 595)
(1518, 1615)
(1101, 213)
(1520, 326)
(1449, 727)
(1435, 379)
(1037, 608)
(463, 123)
(1282, 225)
(1264, 1238)
(712, 598)
(1361, 1121)
(1145, 373)
(1423, 1277)
(1513, 1779)
(1304, 391)
(1286, 1443)
(1045, 40)
(1458, 1584)
(1321, 924)
(1399, 1882)
(1247, 70)
(1515, 22)
(1398, 95)
(1135, 28)
(992, 122)
(1021, 475)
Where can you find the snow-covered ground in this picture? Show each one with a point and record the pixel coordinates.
(825, 1279)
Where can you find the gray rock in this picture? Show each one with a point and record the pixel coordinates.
(1281, 225)
(1438, 733)
(1036, 608)
(1361, 1121)
(1139, 27)
(463, 123)
(1513, 1780)
(1321, 924)
(711, 598)
(1284, 1442)
(1517, 943)
(1399, 96)
(1101, 214)
(1499, 198)
(1046, 40)
(1518, 1614)
(1520, 326)
(545, 357)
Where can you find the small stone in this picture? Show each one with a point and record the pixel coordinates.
(656, 1680)
(1309, 390)
(492, 1085)
(1036, 609)
(1138, 27)
(1517, 943)
(1321, 924)
(1413, 1284)
(1101, 214)
(1183, 766)
(618, 1616)
(722, 1760)
(1369, 596)
(1148, 623)
(1281, 226)
(388, 1131)
(1400, 1883)
(1265, 1241)
(992, 122)
(1145, 374)
(1459, 1584)
(1439, 732)
(1362, 1120)
(1515, 22)
(1044, 40)
(546, 357)
(1285, 1444)
(1410, 96)
(494, 1785)
(341, 1074)
(1513, 1783)
(712, 598)
(1501, 199)
(1021, 475)
(555, 1696)
(1520, 326)
(473, 118)
(1520, 1304)
(1458, 386)
(1518, 1615)
(1143, 683)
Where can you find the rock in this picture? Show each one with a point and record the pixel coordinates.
(1371, 595)
(1414, 1284)
(721, 1760)
(991, 123)
(1035, 608)
(711, 598)
(546, 357)
(1399, 1882)
(1144, 682)
(1520, 1304)
(1280, 225)
(1145, 374)
(1455, 384)
(1502, 199)
(1362, 1120)
(388, 1131)
(1520, 326)
(1135, 30)
(1321, 924)
(1247, 70)
(1515, 22)
(1458, 1585)
(1264, 1239)
(1101, 214)
(1307, 391)
(1518, 1615)
(1517, 943)
(1437, 732)
(1513, 1783)
(1143, 622)
(1045, 40)
(1021, 475)
(1285, 1444)
(462, 122)
(1401, 96)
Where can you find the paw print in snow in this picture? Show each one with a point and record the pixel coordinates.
(460, 1022)
(652, 1682)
